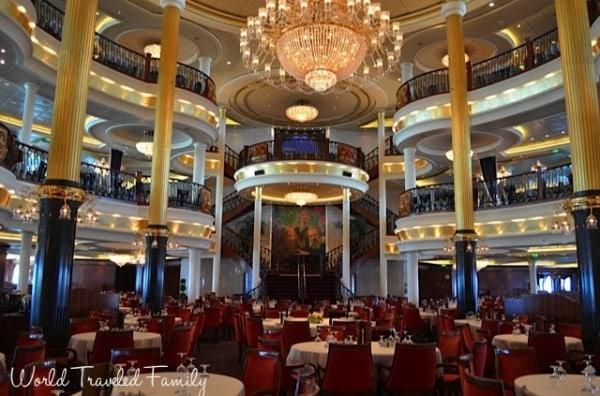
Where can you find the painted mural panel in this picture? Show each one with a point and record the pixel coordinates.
(298, 232)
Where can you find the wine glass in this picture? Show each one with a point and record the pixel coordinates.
(554, 376)
(191, 367)
(410, 341)
(181, 368)
(204, 372)
(120, 368)
(381, 341)
(562, 373)
(405, 336)
(589, 373)
(131, 370)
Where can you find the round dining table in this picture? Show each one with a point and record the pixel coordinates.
(474, 324)
(543, 385)
(315, 353)
(82, 343)
(517, 341)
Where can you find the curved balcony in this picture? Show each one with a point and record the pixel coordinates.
(528, 56)
(301, 149)
(124, 60)
(550, 184)
(29, 164)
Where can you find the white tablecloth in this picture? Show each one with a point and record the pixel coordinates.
(475, 324)
(542, 385)
(2, 363)
(84, 342)
(315, 353)
(125, 309)
(512, 341)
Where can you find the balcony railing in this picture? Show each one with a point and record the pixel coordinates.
(124, 60)
(518, 60)
(31, 164)
(552, 183)
(302, 149)
(240, 245)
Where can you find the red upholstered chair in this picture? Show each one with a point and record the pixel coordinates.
(413, 369)
(511, 364)
(363, 313)
(39, 371)
(467, 337)
(294, 333)
(450, 344)
(26, 338)
(299, 313)
(179, 342)
(254, 329)
(168, 323)
(506, 327)
(152, 325)
(84, 326)
(261, 373)
(27, 354)
(213, 319)
(240, 335)
(349, 370)
(412, 319)
(106, 341)
(350, 327)
(144, 357)
(570, 330)
(491, 325)
(269, 344)
(477, 386)
(449, 312)
(479, 352)
(399, 325)
(446, 323)
(185, 314)
(548, 348)
(271, 313)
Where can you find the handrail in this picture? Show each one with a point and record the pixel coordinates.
(364, 244)
(301, 149)
(237, 243)
(124, 60)
(544, 184)
(372, 163)
(525, 57)
(31, 164)
(390, 147)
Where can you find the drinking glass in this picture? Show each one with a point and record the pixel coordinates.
(181, 368)
(410, 341)
(191, 366)
(120, 368)
(381, 341)
(589, 372)
(562, 373)
(204, 372)
(131, 370)
(554, 377)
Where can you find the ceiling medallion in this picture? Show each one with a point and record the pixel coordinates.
(316, 45)
(146, 146)
(301, 112)
(301, 198)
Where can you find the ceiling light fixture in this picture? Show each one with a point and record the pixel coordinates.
(153, 49)
(302, 112)
(446, 61)
(312, 45)
(146, 146)
(121, 259)
(301, 198)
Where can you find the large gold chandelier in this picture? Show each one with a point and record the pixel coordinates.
(316, 45)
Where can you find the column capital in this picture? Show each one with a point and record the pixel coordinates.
(458, 7)
(180, 4)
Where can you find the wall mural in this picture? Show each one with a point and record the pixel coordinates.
(298, 232)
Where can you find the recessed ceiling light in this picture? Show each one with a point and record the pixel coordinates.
(2, 61)
(228, 63)
(532, 139)
(546, 136)
(562, 132)
(2, 51)
(491, 4)
(518, 26)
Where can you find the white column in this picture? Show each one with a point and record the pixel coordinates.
(406, 71)
(184, 273)
(204, 63)
(410, 168)
(346, 239)
(383, 264)
(199, 163)
(25, 261)
(194, 274)
(216, 274)
(31, 91)
(412, 277)
(532, 276)
(256, 237)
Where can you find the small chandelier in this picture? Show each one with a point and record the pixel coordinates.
(314, 45)
(121, 259)
(146, 146)
(563, 222)
(152, 49)
(301, 112)
(28, 210)
(301, 198)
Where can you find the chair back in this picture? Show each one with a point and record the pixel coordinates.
(168, 323)
(26, 338)
(349, 369)
(238, 330)
(106, 341)
(511, 364)
(446, 323)
(269, 344)
(26, 354)
(271, 313)
(294, 332)
(261, 373)
(412, 319)
(254, 329)
(185, 314)
(213, 317)
(479, 352)
(491, 325)
(37, 372)
(98, 372)
(87, 325)
(450, 344)
(144, 357)
(548, 348)
(413, 368)
(449, 312)
(153, 325)
(180, 341)
(350, 327)
(506, 327)
(477, 386)
(570, 330)
(299, 313)
(467, 337)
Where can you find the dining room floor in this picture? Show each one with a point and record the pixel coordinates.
(222, 355)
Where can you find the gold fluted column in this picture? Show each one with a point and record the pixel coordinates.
(61, 195)
(583, 117)
(453, 12)
(157, 232)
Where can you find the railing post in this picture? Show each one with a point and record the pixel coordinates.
(147, 66)
(529, 64)
(469, 66)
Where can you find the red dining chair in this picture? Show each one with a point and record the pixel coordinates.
(153, 325)
(185, 314)
(271, 313)
(299, 313)
(449, 312)
(506, 327)
(294, 333)
(240, 335)
(179, 342)
(450, 344)
(349, 370)
(548, 348)
(87, 325)
(467, 337)
(24, 355)
(413, 369)
(479, 352)
(477, 386)
(350, 327)
(412, 320)
(491, 325)
(26, 338)
(254, 329)
(363, 313)
(570, 330)
(168, 323)
(105, 341)
(213, 320)
(269, 344)
(514, 363)
(399, 325)
(261, 373)
(37, 374)
(144, 357)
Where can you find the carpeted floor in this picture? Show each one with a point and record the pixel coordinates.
(222, 355)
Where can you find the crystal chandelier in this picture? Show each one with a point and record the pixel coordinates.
(27, 210)
(152, 49)
(301, 112)
(146, 146)
(301, 198)
(314, 45)
(563, 219)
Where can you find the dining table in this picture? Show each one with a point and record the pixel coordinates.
(518, 341)
(83, 343)
(543, 385)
